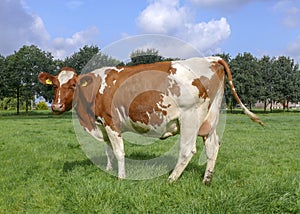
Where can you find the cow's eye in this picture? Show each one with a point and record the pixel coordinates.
(73, 86)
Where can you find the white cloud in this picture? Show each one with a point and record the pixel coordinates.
(289, 12)
(19, 27)
(61, 47)
(162, 16)
(168, 17)
(206, 36)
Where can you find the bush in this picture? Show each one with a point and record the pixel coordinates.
(42, 105)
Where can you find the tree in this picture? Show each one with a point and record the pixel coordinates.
(22, 70)
(3, 86)
(98, 61)
(268, 94)
(140, 56)
(79, 59)
(285, 84)
(247, 78)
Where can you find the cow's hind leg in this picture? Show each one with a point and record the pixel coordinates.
(212, 147)
(189, 125)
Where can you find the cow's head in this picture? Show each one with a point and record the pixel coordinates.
(64, 84)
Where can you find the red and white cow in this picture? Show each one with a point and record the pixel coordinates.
(160, 99)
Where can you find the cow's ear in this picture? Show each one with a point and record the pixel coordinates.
(89, 85)
(86, 81)
(46, 78)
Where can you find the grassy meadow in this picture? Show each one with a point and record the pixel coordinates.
(44, 170)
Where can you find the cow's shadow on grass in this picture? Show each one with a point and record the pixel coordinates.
(192, 167)
(71, 165)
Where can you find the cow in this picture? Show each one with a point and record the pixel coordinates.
(161, 99)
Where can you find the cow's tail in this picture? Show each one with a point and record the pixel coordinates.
(252, 116)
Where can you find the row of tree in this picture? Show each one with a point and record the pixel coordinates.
(268, 79)
(19, 73)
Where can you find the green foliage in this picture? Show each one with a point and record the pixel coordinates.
(21, 73)
(266, 79)
(246, 77)
(144, 57)
(99, 60)
(3, 84)
(148, 56)
(79, 59)
(42, 105)
(8, 103)
(43, 170)
(286, 74)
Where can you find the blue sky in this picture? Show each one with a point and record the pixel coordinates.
(261, 27)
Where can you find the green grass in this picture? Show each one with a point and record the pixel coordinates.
(44, 170)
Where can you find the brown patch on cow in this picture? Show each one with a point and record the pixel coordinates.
(174, 89)
(204, 129)
(218, 69)
(173, 70)
(131, 84)
(209, 87)
(147, 108)
(202, 85)
(217, 79)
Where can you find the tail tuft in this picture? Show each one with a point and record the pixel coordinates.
(253, 117)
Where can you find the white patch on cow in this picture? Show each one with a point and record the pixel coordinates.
(100, 119)
(172, 110)
(58, 100)
(184, 77)
(119, 70)
(203, 109)
(96, 133)
(186, 72)
(65, 76)
(114, 82)
(101, 72)
(113, 135)
(198, 66)
(213, 58)
(118, 148)
(231, 85)
(122, 115)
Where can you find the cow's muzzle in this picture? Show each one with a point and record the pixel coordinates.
(58, 108)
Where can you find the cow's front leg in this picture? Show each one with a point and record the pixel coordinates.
(212, 145)
(118, 149)
(110, 157)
